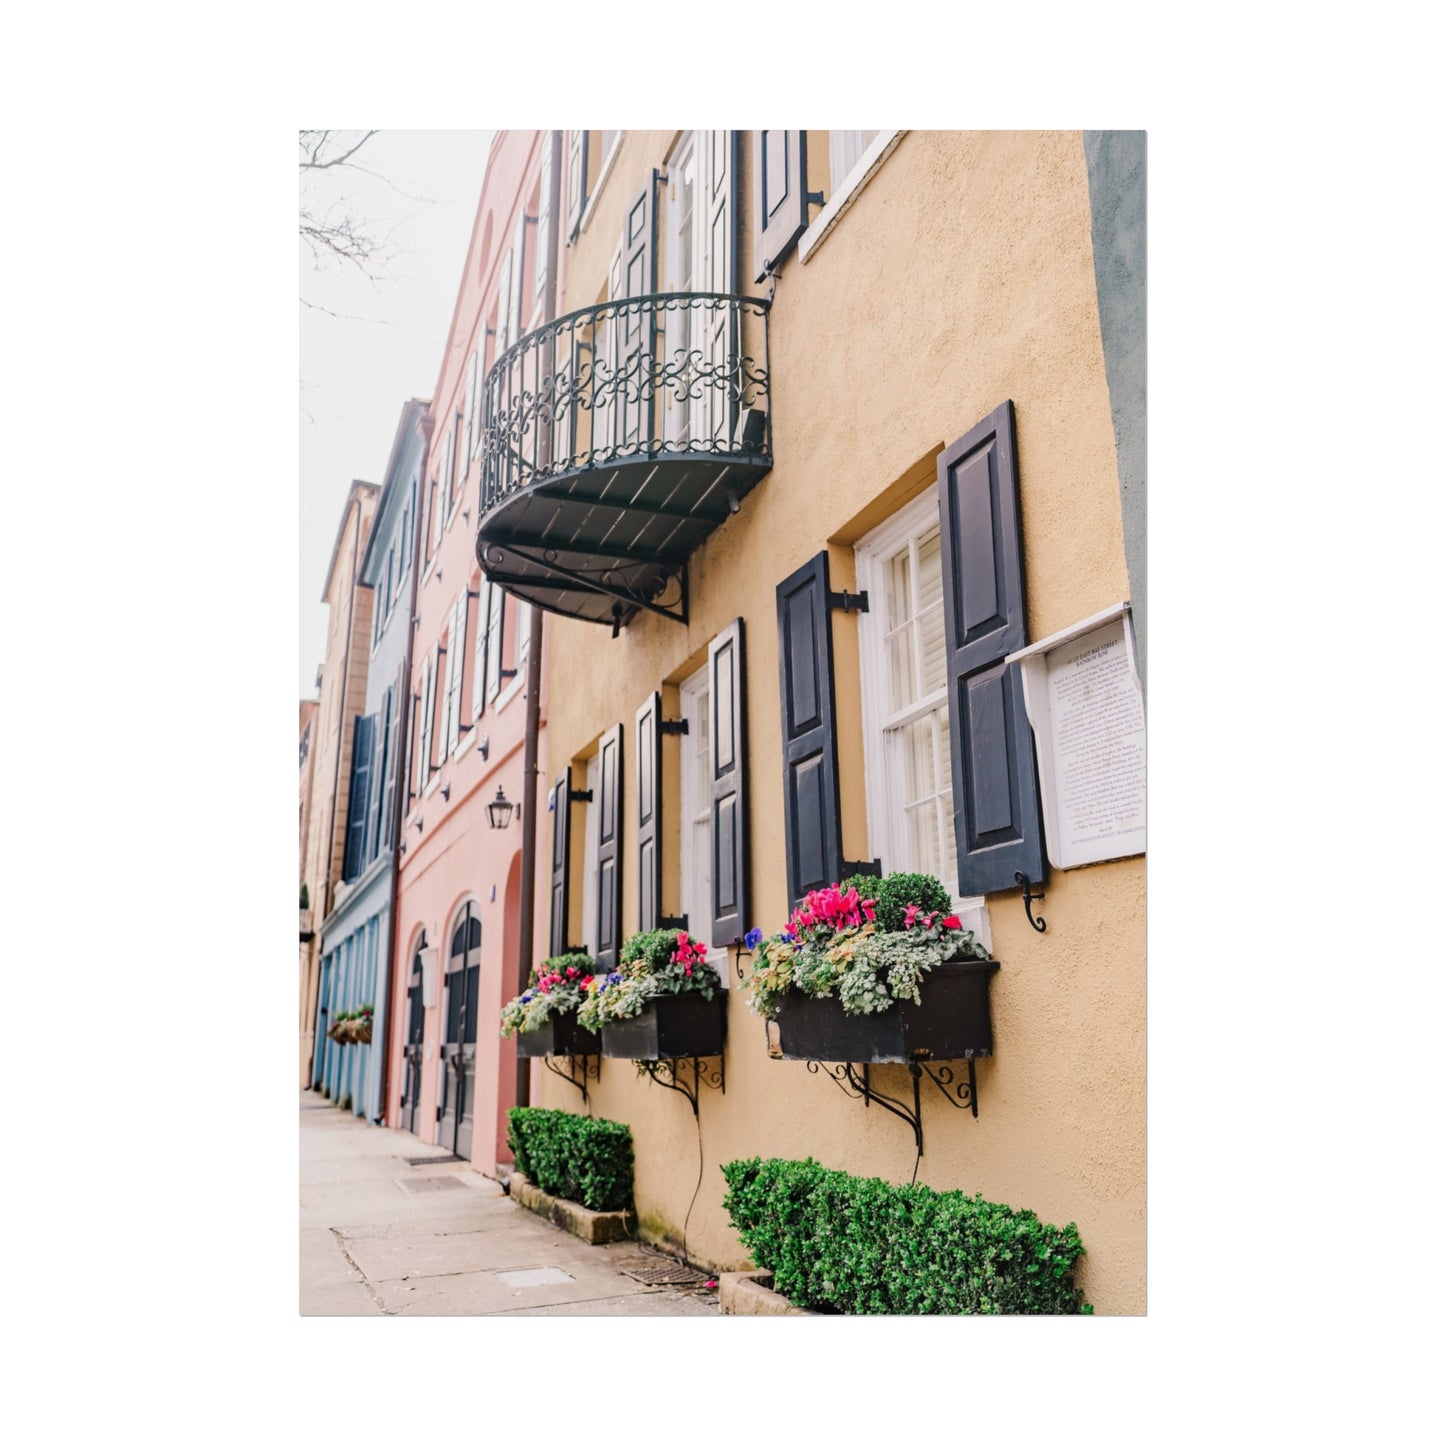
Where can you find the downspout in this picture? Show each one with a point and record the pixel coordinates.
(525, 922)
(336, 777)
(403, 751)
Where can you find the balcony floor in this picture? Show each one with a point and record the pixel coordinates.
(604, 542)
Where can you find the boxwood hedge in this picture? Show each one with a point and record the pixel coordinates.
(572, 1157)
(838, 1243)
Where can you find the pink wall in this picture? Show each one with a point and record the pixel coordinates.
(455, 855)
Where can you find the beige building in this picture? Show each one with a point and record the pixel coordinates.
(342, 700)
(793, 368)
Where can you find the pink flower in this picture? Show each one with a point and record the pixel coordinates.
(571, 973)
(867, 907)
(909, 914)
(952, 922)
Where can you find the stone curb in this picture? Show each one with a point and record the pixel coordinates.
(750, 1293)
(591, 1226)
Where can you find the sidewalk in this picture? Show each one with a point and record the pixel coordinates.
(380, 1236)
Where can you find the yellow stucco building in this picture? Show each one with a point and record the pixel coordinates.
(792, 369)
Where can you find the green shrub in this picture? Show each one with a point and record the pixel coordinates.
(892, 895)
(573, 1157)
(867, 1247)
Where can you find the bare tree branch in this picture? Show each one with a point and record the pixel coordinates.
(313, 142)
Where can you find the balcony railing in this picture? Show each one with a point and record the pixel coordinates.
(614, 440)
(623, 380)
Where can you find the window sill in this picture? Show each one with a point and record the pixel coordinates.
(847, 193)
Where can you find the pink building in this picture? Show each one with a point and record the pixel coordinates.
(459, 920)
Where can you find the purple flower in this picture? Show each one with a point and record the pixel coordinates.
(753, 937)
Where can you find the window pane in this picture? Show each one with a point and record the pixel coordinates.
(932, 645)
(898, 643)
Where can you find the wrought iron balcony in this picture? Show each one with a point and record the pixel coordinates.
(615, 441)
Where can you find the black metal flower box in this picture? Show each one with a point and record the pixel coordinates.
(675, 1026)
(561, 1035)
(952, 1022)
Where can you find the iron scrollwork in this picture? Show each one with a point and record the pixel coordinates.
(666, 1073)
(629, 378)
(591, 1068)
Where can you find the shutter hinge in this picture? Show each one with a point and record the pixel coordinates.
(669, 728)
(848, 601)
(579, 795)
(506, 672)
(668, 920)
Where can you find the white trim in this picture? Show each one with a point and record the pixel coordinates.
(1057, 639)
(601, 181)
(870, 554)
(844, 195)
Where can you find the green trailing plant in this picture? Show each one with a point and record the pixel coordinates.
(652, 964)
(867, 942)
(573, 1157)
(838, 1243)
(352, 1026)
(554, 987)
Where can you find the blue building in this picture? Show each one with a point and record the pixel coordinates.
(356, 935)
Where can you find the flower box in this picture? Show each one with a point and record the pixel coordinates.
(561, 1035)
(951, 1022)
(674, 1026)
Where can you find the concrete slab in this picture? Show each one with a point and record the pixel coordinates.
(662, 1302)
(323, 1260)
(339, 1299)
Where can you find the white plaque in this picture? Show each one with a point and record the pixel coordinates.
(1085, 707)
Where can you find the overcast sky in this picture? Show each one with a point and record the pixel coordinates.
(384, 342)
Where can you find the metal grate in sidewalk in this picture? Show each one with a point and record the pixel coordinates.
(666, 1274)
(435, 1159)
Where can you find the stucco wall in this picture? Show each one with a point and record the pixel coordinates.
(961, 276)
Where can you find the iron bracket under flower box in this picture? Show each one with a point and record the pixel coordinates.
(951, 1022)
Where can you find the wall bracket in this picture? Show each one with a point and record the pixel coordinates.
(665, 1072)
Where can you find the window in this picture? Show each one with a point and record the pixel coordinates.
(695, 816)
(479, 662)
(906, 725)
(845, 150)
(590, 814)
(542, 209)
(456, 658)
(523, 632)
(496, 606)
(428, 710)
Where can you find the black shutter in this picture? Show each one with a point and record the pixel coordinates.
(780, 195)
(609, 853)
(379, 757)
(811, 823)
(634, 273)
(561, 856)
(649, 813)
(729, 767)
(357, 799)
(995, 788)
(576, 180)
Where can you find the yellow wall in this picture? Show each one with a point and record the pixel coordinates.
(961, 276)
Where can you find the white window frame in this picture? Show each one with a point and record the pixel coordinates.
(589, 856)
(886, 837)
(846, 192)
(601, 181)
(694, 799)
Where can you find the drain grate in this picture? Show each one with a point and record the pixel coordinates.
(435, 1159)
(428, 1184)
(666, 1274)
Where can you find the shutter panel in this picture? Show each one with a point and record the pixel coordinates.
(357, 798)
(479, 662)
(379, 741)
(496, 612)
(561, 855)
(649, 813)
(634, 273)
(576, 180)
(394, 773)
(721, 209)
(811, 825)
(997, 816)
(609, 855)
(728, 748)
(544, 220)
(780, 195)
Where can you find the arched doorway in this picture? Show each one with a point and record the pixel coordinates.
(412, 1050)
(459, 1041)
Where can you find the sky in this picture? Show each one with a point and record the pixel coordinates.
(368, 346)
